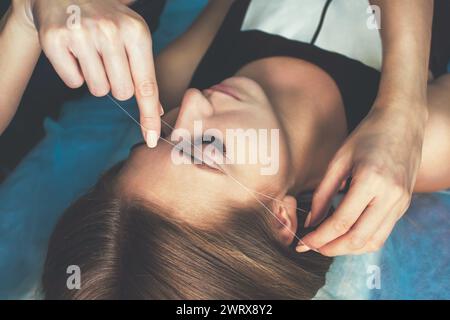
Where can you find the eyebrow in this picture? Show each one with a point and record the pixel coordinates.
(201, 165)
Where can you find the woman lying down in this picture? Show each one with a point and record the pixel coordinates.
(155, 229)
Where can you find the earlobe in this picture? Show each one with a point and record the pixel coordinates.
(285, 211)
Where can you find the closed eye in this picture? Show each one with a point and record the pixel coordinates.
(212, 165)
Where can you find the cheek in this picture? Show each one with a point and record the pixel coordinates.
(251, 179)
(254, 155)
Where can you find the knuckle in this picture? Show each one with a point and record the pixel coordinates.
(123, 93)
(75, 82)
(310, 240)
(107, 23)
(52, 30)
(405, 195)
(99, 90)
(376, 178)
(135, 27)
(341, 225)
(402, 211)
(398, 190)
(375, 245)
(357, 242)
(401, 194)
(407, 202)
(375, 168)
(52, 35)
(147, 88)
(372, 171)
(332, 164)
(405, 206)
(335, 164)
(107, 28)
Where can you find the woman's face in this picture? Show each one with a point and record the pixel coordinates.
(237, 112)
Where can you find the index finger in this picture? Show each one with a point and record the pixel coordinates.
(345, 216)
(142, 67)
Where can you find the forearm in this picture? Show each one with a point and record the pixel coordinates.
(19, 53)
(406, 34)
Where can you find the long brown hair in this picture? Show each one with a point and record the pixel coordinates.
(125, 250)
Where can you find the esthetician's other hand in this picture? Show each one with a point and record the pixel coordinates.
(383, 156)
(105, 44)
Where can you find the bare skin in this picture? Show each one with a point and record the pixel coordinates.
(109, 49)
(389, 141)
(433, 175)
(174, 70)
(361, 232)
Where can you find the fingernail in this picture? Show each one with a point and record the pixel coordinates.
(144, 134)
(308, 220)
(151, 138)
(302, 248)
(161, 111)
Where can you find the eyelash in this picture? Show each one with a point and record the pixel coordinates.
(213, 139)
(208, 143)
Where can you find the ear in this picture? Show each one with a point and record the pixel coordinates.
(285, 211)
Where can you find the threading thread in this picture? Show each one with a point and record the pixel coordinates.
(251, 192)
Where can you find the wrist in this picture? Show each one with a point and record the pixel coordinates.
(21, 14)
(404, 83)
(414, 110)
(19, 29)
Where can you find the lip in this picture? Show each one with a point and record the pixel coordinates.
(225, 89)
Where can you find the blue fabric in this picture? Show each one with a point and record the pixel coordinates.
(413, 264)
(93, 134)
(90, 136)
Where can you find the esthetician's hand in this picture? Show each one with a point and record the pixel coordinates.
(382, 156)
(105, 44)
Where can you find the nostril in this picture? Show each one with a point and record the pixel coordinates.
(207, 93)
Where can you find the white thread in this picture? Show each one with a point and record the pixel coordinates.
(252, 192)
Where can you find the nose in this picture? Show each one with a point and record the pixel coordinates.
(195, 106)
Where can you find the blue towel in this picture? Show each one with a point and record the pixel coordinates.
(413, 264)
